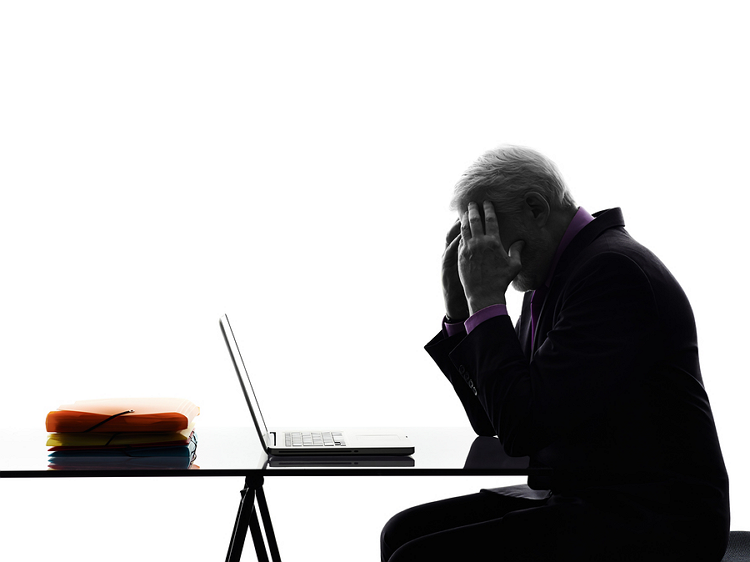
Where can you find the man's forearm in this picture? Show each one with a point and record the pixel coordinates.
(438, 349)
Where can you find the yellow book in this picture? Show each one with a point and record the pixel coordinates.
(116, 439)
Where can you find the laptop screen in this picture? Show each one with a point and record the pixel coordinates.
(247, 387)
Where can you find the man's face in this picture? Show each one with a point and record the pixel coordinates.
(537, 252)
(533, 270)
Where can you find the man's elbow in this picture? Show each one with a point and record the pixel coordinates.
(483, 429)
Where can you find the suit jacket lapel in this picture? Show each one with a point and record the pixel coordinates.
(604, 220)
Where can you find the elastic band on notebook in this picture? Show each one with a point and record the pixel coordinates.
(111, 438)
(105, 421)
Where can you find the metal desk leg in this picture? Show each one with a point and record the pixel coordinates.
(248, 517)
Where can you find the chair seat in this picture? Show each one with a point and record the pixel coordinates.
(738, 549)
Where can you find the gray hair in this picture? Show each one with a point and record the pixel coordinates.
(504, 175)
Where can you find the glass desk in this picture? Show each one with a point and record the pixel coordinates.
(237, 452)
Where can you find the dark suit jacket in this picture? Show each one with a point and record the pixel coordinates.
(609, 394)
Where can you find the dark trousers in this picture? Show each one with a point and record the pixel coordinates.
(464, 528)
(492, 526)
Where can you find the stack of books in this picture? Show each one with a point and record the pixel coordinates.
(123, 433)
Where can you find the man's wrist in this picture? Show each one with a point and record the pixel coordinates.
(454, 320)
(477, 304)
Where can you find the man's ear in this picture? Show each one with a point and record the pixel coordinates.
(537, 206)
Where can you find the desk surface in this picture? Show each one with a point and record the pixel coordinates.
(237, 452)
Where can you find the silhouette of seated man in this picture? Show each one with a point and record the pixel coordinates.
(598, 381)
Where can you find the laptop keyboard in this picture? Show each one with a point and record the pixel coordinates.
(315, 439)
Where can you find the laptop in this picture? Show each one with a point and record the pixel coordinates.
(306, 442)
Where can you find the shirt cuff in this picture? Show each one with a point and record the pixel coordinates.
(454, 328)
(485, 314)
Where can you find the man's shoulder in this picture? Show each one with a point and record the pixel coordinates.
(617, 245)
(617, 248)
(604, 240)
(620, 259)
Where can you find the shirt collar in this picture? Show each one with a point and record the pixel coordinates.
(581, 219)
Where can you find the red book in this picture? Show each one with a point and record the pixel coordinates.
(123, 414)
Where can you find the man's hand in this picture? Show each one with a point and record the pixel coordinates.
(456, 307)
(484, 267)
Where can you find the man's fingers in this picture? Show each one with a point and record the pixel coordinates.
(514, 252)
(465, 228)
(452, 247)
(475, 220)
(490, 219)
(453, 232)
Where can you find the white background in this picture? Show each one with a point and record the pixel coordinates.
(162, 163)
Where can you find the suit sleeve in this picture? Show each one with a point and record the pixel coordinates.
(594, 356)
(439, 348)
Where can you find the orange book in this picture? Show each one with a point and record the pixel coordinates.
(123, 414)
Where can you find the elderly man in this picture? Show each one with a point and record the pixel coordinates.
(599, 380)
